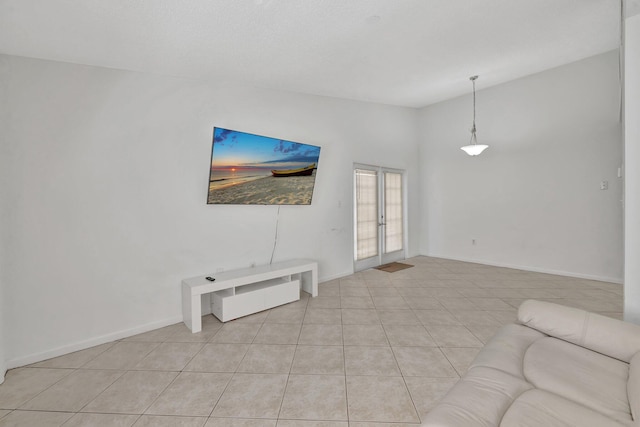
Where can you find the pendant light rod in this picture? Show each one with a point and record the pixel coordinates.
(474, 139)
(473, 149)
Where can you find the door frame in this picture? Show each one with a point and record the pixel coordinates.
(381, 258)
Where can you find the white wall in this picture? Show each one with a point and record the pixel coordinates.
(3, 363)
(108, 175)
(4, 183)
(532, 200)
(632, 171)
(103, 177)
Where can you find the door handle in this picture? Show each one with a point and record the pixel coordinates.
(382, 223)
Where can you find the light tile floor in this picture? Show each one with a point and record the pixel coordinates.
(372, 349)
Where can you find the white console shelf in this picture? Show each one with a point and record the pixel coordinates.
(237, 293)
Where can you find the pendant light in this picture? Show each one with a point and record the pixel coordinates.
(473, 149)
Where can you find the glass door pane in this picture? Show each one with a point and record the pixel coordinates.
(393, 236)
(366, 206)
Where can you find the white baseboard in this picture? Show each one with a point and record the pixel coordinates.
(92, 342)
(334, 277)
(82, 345)
(533, 269)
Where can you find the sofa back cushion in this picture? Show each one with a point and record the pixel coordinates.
(611, 337)
(591, 379)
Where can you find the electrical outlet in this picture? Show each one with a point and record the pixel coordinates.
(253, 264)
(604, 185)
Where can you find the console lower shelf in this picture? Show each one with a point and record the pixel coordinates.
(232, 303)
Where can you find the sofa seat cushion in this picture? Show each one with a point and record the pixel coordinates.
(536, 408)
(506, 349)
(479, 399)
(583, 376)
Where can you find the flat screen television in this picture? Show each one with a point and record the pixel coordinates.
(248, 169)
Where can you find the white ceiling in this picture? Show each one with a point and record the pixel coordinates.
(401, 52)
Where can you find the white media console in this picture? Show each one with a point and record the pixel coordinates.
(237, 293)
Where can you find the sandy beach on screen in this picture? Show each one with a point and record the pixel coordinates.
(293, 190)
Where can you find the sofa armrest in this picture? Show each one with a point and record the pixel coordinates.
(633, 387)
(506, 349)
(611, 337)
(479, 399)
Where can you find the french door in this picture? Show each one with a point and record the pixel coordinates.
(378, 216)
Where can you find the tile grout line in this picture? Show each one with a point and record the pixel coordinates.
(286, 384)
(596, 299)
(404, 381)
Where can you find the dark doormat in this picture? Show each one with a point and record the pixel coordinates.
(393, 267)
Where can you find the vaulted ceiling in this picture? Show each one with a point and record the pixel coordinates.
(401, 52)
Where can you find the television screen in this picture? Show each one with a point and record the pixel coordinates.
(249, 169)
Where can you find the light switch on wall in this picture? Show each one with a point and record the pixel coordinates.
(604, 185)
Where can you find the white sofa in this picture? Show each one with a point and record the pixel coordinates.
(560, 366)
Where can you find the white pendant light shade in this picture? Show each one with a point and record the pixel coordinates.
(474, 149)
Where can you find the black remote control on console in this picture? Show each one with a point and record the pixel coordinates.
(209, 278)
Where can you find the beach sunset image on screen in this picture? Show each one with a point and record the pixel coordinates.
(248, 169)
